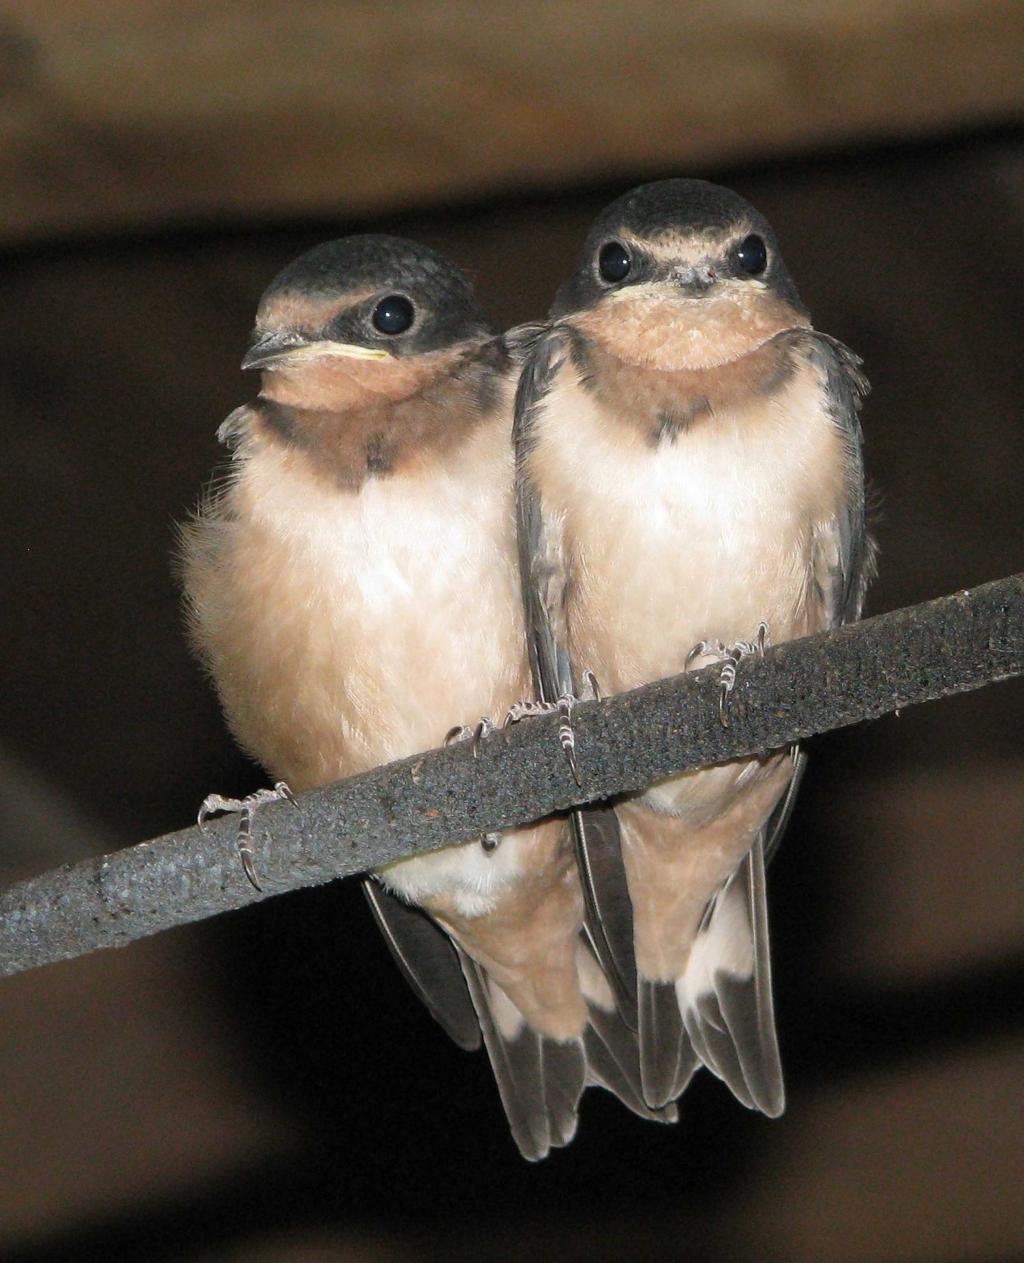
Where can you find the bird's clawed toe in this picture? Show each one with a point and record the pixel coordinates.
(215, 804)
(730, 657)
(563, 707)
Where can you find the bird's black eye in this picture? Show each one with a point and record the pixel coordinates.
(613, 262)
(752, 255)
(393, 314)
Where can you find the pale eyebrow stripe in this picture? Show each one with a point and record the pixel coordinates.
(671, 247)
(297, 308)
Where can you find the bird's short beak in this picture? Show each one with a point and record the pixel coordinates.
(694, 280)
(287, 347)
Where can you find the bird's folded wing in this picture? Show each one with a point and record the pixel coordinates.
(544, 579)
(428, 961)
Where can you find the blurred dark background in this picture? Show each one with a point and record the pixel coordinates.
(263, 1087)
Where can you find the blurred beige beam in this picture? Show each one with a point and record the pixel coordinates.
(121, 114)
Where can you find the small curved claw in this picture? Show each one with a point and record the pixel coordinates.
(726, 684)
(284, 790)
(524, 710)
(736, 654)
(475, 735)
(479, 732)
(246, 851)
(701, 647)
(212, 804)
(730, 657)
(567, 737)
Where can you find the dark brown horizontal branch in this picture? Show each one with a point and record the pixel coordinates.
(895, 660)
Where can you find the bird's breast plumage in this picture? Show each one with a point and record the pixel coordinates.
(697, 533)
(350, 423)
(347, 629)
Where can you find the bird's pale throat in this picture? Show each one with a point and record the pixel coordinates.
(659, 329)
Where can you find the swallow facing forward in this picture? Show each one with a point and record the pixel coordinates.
(689, 471)
(353, 589)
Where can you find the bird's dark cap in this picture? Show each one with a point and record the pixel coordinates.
(447, 310)
(680, 208)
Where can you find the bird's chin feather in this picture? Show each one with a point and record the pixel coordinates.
(660, 327)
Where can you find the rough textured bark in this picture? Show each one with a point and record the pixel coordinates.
(951, 645)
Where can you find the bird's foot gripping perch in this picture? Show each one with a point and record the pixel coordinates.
(475, 734)
(563, 707)
(730, 657)
(214, 804)
(489, 842)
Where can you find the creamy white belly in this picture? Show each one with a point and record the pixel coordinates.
(700, 539)
(408, 615)
(346, 630)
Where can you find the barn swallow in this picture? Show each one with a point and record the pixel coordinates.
(689, 477)
(353, 585)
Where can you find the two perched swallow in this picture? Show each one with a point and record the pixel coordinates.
(353, 589)
(688, 468)
(690, 475)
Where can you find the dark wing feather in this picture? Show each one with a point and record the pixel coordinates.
(544, 579)
(778, 821)
(747, 1006)
(541, 562)
(608, 911)
(427, 959)
(728, 1014)
(540, 1080)
(668, 1054)
(612, 1063)
(845, 388)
